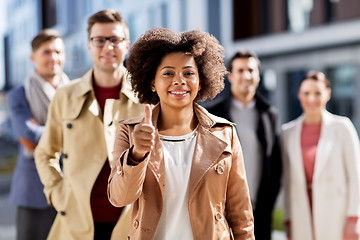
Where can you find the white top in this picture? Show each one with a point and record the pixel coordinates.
(246, 120)
(178, 153)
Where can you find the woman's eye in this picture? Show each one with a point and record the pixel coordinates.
(167, 73)
(305, 93)
(189, 73)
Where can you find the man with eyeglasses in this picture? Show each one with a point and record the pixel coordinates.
(81, 126)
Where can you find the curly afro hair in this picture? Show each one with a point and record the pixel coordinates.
(148, 51)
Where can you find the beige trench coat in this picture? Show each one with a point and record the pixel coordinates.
(219, 201)
(75, 127)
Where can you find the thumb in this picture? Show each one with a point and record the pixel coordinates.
(148, 114)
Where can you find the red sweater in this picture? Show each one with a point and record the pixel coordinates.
(102, 209)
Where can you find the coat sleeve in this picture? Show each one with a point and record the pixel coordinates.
(351, 155)
(239, 213)
(125, 182)
(47, 154)
(286, 176)
(20, 115)
(275, 159)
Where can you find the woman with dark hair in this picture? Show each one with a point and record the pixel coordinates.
(321, 154)
(181, 167)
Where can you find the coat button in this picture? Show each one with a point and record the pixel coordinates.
(65, 155)
(110, 123)
(135, 224)
(219, 170)
(218, 216)
(69, 125)
(62, 213)
(119, 171)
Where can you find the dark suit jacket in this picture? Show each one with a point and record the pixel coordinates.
(268, 135)
(26, 188)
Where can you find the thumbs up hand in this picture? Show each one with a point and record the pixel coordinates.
(143, 136)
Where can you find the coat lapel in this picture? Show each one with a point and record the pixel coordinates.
(295, 145)
(203, 160)
(157, 165)
(324, 146)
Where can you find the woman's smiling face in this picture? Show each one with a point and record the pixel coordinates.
(177, 80)
(313, 96)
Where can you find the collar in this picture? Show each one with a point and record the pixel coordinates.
(326, 118)
(240, 105)
(86, 85)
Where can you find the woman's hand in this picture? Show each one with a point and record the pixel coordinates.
(350, 231)
(143, 137)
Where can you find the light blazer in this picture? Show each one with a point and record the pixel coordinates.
(218, 192)
(336, 179)
(75, 128)
(26, 187)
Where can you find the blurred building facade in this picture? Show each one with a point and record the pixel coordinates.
(290, 37)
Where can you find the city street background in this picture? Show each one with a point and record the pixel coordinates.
(290, 37)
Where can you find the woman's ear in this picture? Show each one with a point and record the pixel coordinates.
(329, 94)
(153, 86)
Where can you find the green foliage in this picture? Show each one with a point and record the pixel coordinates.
(278, 219)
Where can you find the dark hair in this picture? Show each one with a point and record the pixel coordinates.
(108, 16)
(44, 36)
(148, 51)
(317, 76)
(243, 53)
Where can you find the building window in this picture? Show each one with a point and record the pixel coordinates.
(151, 19)
(183, 10)
(214, 18)
(343, 89)
(48, 13)
(299, 14)
(258, 17)
(88, 7)
(164, 15)
(246, 15)
(293, 84)
(75, 13)
(133, 27)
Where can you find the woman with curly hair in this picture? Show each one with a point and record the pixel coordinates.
(181, 167)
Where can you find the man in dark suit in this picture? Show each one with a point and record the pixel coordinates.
(257, 126)
(28, 105)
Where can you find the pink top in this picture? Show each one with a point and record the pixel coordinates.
(310, 135)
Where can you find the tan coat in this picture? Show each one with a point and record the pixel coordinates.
(75, 127)
(218, 193)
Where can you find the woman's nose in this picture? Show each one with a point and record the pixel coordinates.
(178, 79)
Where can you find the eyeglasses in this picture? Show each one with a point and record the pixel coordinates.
(99, 42)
